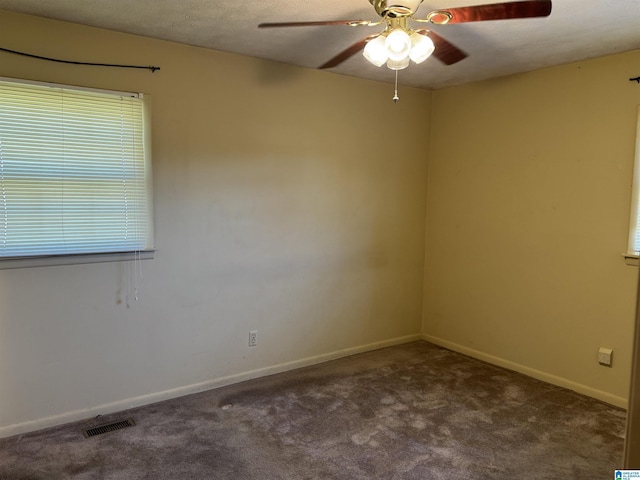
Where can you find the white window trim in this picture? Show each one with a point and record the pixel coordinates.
(84, 258)
(632, 257)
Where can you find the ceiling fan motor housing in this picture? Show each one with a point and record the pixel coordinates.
(395, 8)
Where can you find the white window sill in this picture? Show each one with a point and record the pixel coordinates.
(28, 262)
(631, 260)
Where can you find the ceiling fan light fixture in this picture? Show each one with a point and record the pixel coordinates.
(398, 45)
(421, 47)
(398, 64)
(375, 51)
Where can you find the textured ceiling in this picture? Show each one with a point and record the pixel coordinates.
(575, 30)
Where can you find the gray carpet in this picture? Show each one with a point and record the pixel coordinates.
(414, 411)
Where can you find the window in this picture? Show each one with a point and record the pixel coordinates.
(633, 248)
(75, 176)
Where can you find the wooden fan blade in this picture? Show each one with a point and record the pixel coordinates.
(500, 11)
(348, 52)
(445, 51)
(350, 23)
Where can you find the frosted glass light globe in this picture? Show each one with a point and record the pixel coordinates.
(398, 64)
(398, 45)
(375, 51)
(421, 47)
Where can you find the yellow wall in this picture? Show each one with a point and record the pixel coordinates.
(528, 208)
(279, 206)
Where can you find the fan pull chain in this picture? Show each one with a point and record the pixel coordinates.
(395, 96)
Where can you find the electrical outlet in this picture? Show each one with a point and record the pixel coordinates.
(253, 338)
(605, 356)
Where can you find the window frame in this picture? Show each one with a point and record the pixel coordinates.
(11, 262)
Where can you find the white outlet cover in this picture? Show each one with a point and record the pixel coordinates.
(604, 356)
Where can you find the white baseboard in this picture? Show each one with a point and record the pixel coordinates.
(531, 372)
(32, 425)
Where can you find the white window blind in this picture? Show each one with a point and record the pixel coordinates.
(634, 223)
(74, 171)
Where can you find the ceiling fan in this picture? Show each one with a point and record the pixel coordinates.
(399, 44)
